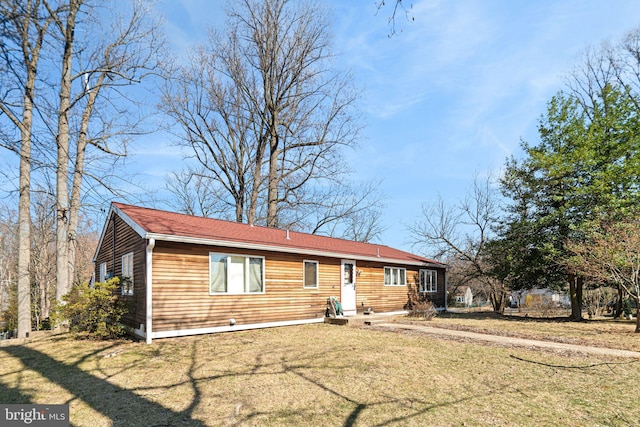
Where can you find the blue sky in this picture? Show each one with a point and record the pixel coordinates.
(450, 96)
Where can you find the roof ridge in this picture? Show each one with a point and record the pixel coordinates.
(164, 222)
(246, 224)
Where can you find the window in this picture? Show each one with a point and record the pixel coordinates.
(235, 274)
(428, 281)
(395, 276)
(103, 272)
(348, 273)
(127, 274)
(310, 274)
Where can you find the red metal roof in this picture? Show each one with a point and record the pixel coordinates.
(179, 225)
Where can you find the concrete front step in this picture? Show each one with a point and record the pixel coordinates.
(362, 319)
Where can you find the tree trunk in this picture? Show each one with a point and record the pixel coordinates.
(239, 208)
(30, 44)
(498, 300)
(74, 213)
(257, 182)
(575, 293)
(62, 140)
(272, 192)
(24, 201)
(78, 176)
(24, 225)
(617, 310)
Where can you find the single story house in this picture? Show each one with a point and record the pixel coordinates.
(190, 275)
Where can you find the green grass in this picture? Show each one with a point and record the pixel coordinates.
(318, 375)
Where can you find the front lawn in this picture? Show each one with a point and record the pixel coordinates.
(318, 375)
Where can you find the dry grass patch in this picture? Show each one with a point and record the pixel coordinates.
(601, 332)
(317, 375)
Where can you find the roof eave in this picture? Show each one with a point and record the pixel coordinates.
(126, 218)
(284, 249)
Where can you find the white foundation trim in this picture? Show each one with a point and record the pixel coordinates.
(212, 330)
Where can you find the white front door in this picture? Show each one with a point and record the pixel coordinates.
(348, 288)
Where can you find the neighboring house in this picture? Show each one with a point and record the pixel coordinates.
(190, 275)
(539, 298)
(464, 296)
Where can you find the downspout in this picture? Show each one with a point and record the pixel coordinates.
(113, 248)
(149, 299)
(446, 288)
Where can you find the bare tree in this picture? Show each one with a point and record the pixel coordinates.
(397, 6)
(612, 255)
(24, 26)
(345, 210)
(43, 259)
(220, 127)
(196, 193)
(264, 110)
(92, 109)
(463, 231)
(66, 25)
(8, 255)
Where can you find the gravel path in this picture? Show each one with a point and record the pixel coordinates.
(520, 342)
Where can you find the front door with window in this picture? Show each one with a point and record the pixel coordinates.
(348, 288)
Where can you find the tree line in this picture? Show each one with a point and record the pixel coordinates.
(565, 215)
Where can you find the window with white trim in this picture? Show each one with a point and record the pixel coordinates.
(127, 274)
(394, 276)
(103, 272)
(235, 274)
(310, 274)
(428, 281)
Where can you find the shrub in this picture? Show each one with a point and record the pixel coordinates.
(10, 315)
(418, 305)
(93, 311)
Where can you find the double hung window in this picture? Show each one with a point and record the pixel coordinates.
(235, 274)
(395, 276)
(428, 281)
(127, 274)
(310, 274)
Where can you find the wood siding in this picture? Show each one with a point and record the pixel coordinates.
(113, 247)
(181, 298)
(371, 291)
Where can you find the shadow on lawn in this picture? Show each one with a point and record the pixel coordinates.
(416, 407)
(122, 406)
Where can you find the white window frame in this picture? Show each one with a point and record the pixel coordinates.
(395, 272)
(304, 274)
(246, 273)
(103, 272)
(432, 286)
(127, 273)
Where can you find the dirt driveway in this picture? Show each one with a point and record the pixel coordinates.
(509, 341)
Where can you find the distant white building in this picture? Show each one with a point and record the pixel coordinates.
(464, 296)
(539, 297)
